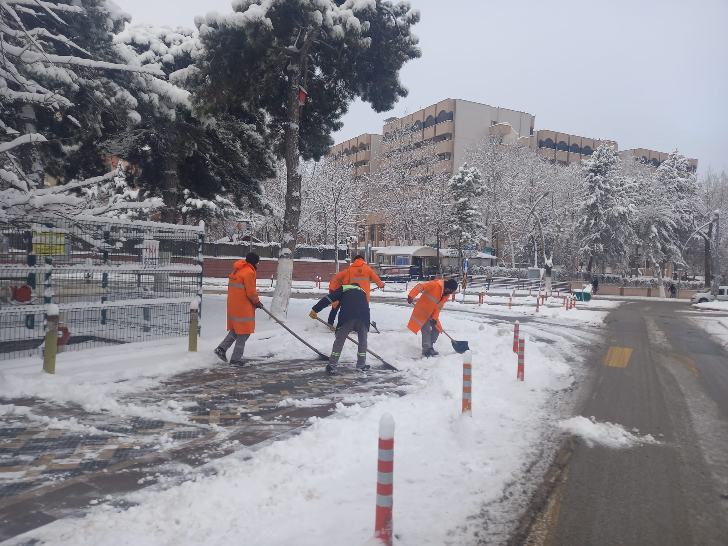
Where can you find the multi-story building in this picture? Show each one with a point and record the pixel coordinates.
(653, 157)
(455, 126)
(361, 152)
(564, 148)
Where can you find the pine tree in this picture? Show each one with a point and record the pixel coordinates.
(303, 62)
(465, 227)
(604, 226)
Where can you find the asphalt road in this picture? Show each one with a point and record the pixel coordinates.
(674, 386)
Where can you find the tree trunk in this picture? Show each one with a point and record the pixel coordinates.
(292, 216)
(170, 192)
(708, 257)
(590, 264)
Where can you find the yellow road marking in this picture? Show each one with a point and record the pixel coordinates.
(618, 357)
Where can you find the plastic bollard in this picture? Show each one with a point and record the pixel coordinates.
(385, 481)
(520, 373)
(467, 382)
(516, 334)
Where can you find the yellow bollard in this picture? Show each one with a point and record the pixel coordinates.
(51, 339)
(194, 321)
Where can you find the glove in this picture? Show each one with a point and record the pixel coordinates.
(313, 314)
(259, 305)
(381, 286)
(409, 299)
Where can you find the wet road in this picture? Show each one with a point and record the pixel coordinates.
(666, 377)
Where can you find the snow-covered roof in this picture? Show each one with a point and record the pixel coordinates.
(453, 253)
(420, 251)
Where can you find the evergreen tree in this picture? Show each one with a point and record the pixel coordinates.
(465, 226)
(604, 225)
(303, 62)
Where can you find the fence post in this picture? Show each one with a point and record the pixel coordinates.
(51, 339)
(194, 323)
(521, 359)
(516, 334)
(385, 481)
(467, 381)
(201, 262)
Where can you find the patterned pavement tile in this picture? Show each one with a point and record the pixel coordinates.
(221, 408)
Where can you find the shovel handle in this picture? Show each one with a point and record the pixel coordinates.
(375, 355)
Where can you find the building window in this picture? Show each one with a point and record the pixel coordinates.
(548, 143)
(362, 147)
(655, 162)
(574, 149)
(447, 156)
(444, 116)
(429, 122)
(586, 150)
(563, 146)
(417, 126)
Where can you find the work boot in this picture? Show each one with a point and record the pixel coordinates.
(238, 363)
(331, 370)
(220, 353)
(433, 352)
(426, 353)
(362, 367)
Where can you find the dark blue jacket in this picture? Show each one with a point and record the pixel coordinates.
(353, 302)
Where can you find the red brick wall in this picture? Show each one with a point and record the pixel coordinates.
(303, 270)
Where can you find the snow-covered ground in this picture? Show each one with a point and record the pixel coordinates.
(712, 320)
(712, 305)
(319, 487)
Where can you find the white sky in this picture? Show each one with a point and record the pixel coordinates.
(646, 73)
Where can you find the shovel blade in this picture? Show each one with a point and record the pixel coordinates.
(460, 346)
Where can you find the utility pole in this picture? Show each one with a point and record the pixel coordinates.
(716, 258)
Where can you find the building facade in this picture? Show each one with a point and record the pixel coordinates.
(564, 148)
(653, 157)
(361, 152)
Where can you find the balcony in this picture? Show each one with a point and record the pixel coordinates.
(444, 128)
(364, 155)
(444, 147)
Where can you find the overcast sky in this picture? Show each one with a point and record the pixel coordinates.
(646, 73)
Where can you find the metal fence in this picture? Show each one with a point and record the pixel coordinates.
(115, 281)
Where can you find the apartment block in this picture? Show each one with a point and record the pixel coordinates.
(564, 148)
(653, 157)
(361, 152)
(455, 126)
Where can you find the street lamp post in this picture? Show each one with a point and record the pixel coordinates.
(716, 257)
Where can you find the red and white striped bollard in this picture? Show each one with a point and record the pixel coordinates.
(516, 334)
(520, 372)
(467, 381)
(385, 481)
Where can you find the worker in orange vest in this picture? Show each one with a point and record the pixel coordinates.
(426, 314)
(242, 301)
(358, 272)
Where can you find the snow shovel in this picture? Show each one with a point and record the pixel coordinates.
(375, 355)
(459, 346)
(321, 356)
(374, 325)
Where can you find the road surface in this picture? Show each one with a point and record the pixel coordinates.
(666, 377)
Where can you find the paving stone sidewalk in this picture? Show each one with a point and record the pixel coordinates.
(54, 469)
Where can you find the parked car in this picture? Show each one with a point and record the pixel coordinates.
(705, 296)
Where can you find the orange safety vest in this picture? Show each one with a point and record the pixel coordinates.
(428, 306)
(358, 272)
(242, 298)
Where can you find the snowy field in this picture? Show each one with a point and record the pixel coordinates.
(713, 319)
(451, 471)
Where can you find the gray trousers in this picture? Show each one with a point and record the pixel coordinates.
(343, 330)
(239, 349)
(429, 335)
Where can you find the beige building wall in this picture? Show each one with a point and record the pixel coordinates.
(565, 148)
(361, 152)
(473, 122)
(653, 157)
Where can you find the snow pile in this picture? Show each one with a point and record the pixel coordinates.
(605, 434)
(319, 487)
(713, 305)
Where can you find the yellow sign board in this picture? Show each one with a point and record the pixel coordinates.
(49, 243)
